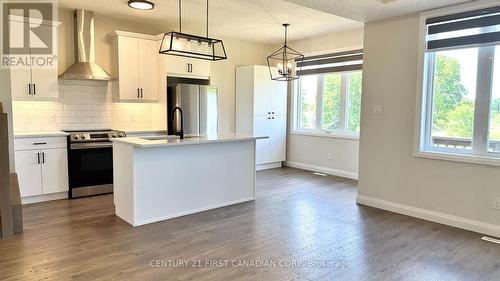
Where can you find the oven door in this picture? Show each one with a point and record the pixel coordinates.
(90, 167)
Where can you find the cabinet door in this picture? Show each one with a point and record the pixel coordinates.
(261, 127)
(20, 80)
(177, 65)
(128, 68)
(200, 68)
(148, 69)
(278, 138)
(262, 91)
(45, 83)
(54, 170)
(278, 97)
(28, 172)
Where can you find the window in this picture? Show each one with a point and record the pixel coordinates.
(328, 95)
(461, 101)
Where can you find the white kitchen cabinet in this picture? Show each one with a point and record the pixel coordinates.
(187, 67)
(29, 172)
(261, 106)
(54, 170)
(137, 60)
(35, 83)
(42, 166)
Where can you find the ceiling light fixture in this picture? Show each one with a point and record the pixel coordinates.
(282, 63)
(141, 4)
(192, 46)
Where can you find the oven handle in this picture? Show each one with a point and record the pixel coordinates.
(86, 146)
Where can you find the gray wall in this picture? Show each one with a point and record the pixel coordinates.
(388, 169)
(6, 100)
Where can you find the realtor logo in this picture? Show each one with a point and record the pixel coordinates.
(28, 33)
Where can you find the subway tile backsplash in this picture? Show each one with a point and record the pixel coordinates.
(81, 105)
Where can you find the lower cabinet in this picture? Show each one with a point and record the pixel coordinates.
(41, 171)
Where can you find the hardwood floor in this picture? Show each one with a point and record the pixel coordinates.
(298, 217)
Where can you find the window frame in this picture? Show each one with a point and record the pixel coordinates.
(340, 133)
(479, 154)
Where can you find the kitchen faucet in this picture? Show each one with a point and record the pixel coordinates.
(181, 132)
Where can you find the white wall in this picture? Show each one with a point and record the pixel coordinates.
(458, 192)
(311, 152)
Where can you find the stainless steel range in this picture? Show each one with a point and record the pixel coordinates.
(90, 162)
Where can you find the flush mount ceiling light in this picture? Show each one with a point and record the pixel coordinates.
(192, 46)
(141, 4)
(282, 63)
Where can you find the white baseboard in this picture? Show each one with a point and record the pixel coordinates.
(329, 171)
(44, 198)
(459, 222)
(261, 167)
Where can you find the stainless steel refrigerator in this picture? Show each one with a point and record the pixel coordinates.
(199, 109)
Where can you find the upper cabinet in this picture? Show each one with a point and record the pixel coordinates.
(187, 67)
(35, 82)
(136, 57)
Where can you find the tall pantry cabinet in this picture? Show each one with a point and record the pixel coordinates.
(261, 106)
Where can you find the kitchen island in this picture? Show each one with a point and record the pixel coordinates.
(159, 178)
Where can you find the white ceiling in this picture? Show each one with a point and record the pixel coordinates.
(253, 20)
(370, 10)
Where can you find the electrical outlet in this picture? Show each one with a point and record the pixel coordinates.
(378, 109)
(496, 203)
(329, 156)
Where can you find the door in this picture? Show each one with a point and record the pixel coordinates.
(262, 146)
(190, 105)
(278, 138)
(278, 97)
(128, 68)
(29, 172)
(54, 167)
(200, 68)
(45, 83)
(148, 69)
(208, 110)
(90, 167)
(20, 80)
(262, 91)
(177, 65)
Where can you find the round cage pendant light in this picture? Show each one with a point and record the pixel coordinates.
(283, 63)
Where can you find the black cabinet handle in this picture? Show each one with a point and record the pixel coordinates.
(138, 93)
(39, 143)
(34, 89)
(43, 157)
(142, 93)
(29, 89)
(38, 158)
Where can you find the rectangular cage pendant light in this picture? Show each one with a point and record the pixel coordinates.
(192, 46)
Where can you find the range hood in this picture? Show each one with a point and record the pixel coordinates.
(85, 67)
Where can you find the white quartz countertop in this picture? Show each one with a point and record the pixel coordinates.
(145, 142)
(40, 134)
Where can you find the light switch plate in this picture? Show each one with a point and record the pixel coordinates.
(496, 203)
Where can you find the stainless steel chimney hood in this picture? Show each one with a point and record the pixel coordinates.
(85, 67)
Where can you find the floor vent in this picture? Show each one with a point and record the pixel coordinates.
(491, 239)
(319, 174)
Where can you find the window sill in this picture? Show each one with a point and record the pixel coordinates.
(326, 135)
(469, 159)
